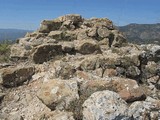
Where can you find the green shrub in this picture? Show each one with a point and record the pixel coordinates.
(4, 51)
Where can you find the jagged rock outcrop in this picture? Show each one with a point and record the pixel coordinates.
(77, 68)
(85, 33)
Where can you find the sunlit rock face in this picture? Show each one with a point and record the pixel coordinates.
(82, 69)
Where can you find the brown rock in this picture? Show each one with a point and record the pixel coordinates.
(12, 77)
(56, 35)
(88, 46)
(132, 95)
(47, 52)
(57, 94)
(49, 25)
(110, 72)
(83, 75)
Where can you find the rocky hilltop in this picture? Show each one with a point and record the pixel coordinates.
(73, 68)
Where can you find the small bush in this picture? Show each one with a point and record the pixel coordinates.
(4, 52)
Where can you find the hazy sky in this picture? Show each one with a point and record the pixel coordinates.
(27, 14)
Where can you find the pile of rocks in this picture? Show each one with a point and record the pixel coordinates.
(76, 68)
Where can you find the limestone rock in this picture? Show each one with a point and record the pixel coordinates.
(87, 46)
(49, 25)
(68, 47)
(103, 32)
(151, 69)
(58, 94)
(90, 63)
(80, 63)
(12, 77)
(44, 53)
(133, 72)
(56, 35)
(82, 35)
(152, 52)
(104, 41)
(18, 52)
(105, 105)
(75, 18)
(63, 70)
(119, 41)
(92, 32)
(145, 110)
(101, 22)
(69, 35)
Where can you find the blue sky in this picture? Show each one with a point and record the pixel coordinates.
(27, 14)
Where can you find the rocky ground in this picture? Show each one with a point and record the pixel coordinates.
(73, 68)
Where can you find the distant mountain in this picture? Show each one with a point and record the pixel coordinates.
(142, 33)
(12, 34)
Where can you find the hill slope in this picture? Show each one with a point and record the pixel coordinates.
(142, 33)
(12, 34)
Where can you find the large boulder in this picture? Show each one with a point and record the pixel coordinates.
(88, 46)
(44, 53)
(152, 52)
(104, 105)
(58, 94)
(13, 77)
(19, 52)
(49, 25)
(103, 32)
(56, 35)
(75, 18)
(145, 110)
(128, 89)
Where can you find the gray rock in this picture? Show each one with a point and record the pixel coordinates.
(75, 18)
(82, 35)
(146, 110)
(133, 72)
(152, 52)
(63, 70)
(92, 32)
(119, 41)
(103, 32)
(19, 52)
(104, 105)
(68, 47)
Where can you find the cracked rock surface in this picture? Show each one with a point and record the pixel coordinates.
(73, 68)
